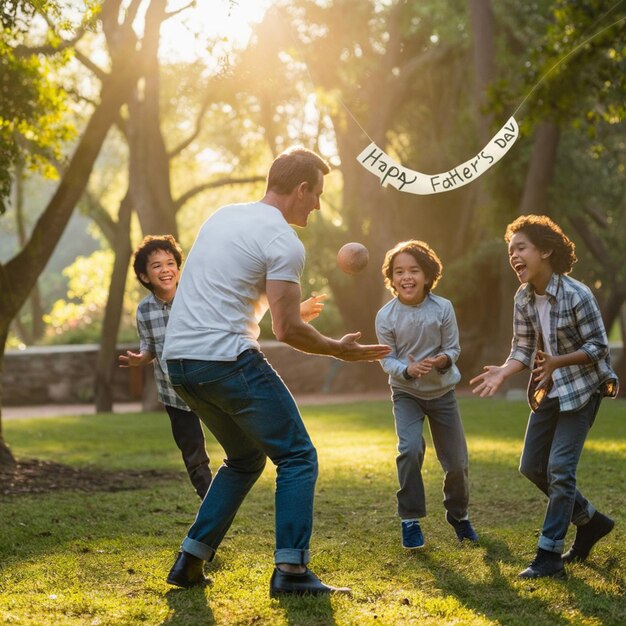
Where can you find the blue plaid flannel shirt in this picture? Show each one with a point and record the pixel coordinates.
(575, 324)
(152, 317)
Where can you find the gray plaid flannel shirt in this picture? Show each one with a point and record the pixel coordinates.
(152, 317)
(575, 324)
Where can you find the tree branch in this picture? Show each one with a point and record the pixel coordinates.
(198, 128)
(222, 182)
(595, 244)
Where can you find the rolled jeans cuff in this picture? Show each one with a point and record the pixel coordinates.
(198, 549)
(551, 545)
(292, 556)
(584, 515)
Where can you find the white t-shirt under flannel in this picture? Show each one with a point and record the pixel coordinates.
(152, 317)
(221, 294)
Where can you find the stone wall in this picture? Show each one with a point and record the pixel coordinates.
(65, 374)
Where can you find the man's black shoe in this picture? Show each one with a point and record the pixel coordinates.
(187, 571)
(307, 583)
(545, 564)
(587, 536)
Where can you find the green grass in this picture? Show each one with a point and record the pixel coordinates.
(70, 558)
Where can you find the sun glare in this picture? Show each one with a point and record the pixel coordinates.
(184, 37)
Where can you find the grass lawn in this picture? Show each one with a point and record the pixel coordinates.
(101, 558)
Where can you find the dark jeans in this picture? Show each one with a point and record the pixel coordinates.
(189, 438)
(449, 441)
(251, 413)
(552, 447)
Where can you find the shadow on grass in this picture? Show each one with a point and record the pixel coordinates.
(499, 595)
(185, 603)
(299, 610)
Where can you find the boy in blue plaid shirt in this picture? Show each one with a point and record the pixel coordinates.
(157, 263)
(559, 333)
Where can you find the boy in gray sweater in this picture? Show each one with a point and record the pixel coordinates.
(421, 330)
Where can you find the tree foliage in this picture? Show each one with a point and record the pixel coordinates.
(32, 122)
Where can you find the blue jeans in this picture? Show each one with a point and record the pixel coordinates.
(552, 447)
(251, 413)
(449, 441)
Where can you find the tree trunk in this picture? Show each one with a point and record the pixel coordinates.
(483, 45)
(541, 169)
(483, 40)
(620, 366)
(35, 330)
(20, 274)
(6, 457)
(105, 363)
(149, 161)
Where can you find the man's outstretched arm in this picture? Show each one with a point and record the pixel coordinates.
(284, 300)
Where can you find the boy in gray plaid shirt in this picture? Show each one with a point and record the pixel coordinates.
(157, 263)
(559, 333)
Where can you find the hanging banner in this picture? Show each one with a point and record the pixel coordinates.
(392, 173)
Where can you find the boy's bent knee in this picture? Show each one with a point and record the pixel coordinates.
(532, 473)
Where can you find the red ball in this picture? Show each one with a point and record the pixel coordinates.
(352, 258)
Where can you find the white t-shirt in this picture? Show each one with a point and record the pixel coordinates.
(543, 312)
(221, 295)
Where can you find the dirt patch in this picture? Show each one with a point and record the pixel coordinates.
(31, 476)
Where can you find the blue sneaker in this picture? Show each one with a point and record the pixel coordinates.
(462, 528)
(412, 537)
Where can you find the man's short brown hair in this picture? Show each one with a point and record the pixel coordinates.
(293, 167)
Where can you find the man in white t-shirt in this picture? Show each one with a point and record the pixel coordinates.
(246, 259)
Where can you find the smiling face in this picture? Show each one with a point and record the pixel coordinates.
(530, 264)
(408, 279)
(162, 272)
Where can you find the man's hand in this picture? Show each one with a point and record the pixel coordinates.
(350, 350)
(312, 307)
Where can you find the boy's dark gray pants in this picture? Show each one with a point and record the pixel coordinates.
(450, 445)
(189, 437)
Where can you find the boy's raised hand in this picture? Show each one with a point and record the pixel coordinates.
(488, 382)
(416, 369)
(134, 359)
(545, 365)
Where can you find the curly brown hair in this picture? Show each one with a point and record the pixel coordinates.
(425, 256)
(548, 237)
(149, 244)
